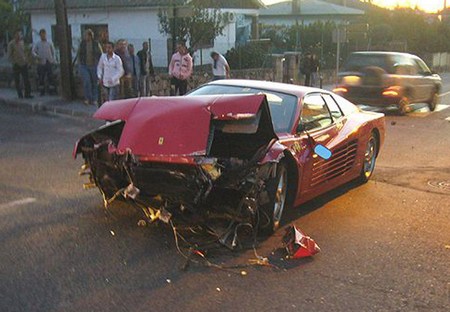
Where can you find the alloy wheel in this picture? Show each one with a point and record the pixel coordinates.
(280, 198)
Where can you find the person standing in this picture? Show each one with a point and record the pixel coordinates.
(89, 54)
(306, 68)
(44, 51)
(125, 81)
(109, 71)
(314, 70)
(180, 69)
(16, 56)
(135, 68)
(145, 60)
(220, 67)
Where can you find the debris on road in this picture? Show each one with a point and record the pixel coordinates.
(112, 233)
(298, 244)
(142, 223)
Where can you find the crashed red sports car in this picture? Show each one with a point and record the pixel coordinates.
(237, 150)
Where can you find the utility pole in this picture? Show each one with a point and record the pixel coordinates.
(63, 36)
(338, 49)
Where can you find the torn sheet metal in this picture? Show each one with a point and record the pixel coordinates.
(180, 125)
(298, 244)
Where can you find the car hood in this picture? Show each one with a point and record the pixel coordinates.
(183, 126)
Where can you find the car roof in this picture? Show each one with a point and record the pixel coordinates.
(296, 90)
(384, 53)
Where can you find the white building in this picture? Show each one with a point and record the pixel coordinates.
(137, 21)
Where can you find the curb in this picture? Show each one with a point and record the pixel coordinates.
(41, 107)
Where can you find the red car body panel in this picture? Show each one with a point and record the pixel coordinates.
(170, 128)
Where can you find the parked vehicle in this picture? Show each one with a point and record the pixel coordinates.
(239, 150)
(386, 79)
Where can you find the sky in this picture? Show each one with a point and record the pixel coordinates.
(426, 5)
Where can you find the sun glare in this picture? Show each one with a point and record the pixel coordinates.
(425, 5)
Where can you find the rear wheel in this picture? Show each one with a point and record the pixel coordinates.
(370, 156)
(403, 106)
(433, 102)
(273, 210)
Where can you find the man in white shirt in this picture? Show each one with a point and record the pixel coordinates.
(44, 51)
(109, 71)
(220, 67)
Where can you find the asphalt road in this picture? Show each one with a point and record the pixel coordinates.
(385, 245)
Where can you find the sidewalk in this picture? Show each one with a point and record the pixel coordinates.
(49, 104)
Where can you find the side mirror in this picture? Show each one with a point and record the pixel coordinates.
(322, 151)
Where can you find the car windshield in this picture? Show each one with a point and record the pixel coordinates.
(282, 106)
(356, 62)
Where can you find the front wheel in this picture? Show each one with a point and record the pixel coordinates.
(277, 191)
(370, 156)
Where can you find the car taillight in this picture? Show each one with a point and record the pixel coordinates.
(390, 93)
(340, 90)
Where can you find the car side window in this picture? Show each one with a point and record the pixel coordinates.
(315, 114)
(423, 68)
(405, 66)
(332, 106)
(346, 106)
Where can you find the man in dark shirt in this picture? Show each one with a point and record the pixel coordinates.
(147, 71)
(135, 67)
(306, 68)
(126, 80)
(88, 56)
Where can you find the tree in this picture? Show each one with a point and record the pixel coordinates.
(10, 20)
(197, 21)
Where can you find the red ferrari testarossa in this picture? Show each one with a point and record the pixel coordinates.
(236, 150)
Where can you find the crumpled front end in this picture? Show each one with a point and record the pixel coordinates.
(220, 182)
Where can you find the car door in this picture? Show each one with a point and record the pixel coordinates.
(408, 77)
(316, 126)
(428, 83)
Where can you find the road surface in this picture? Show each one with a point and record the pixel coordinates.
(385, 245)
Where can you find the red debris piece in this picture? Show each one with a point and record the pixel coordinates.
(298, 244)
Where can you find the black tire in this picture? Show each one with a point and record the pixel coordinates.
(403, 106)
(370, 156)
(272, 212)
(434, 101)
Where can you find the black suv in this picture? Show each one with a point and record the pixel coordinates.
(387, 79)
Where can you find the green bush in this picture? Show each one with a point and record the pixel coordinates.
(250, 55)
